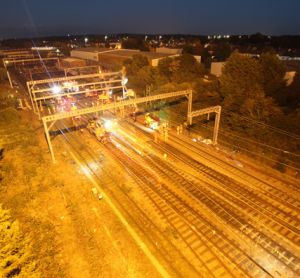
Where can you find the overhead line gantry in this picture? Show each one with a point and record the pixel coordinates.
(50, 94)
(53, 118)
(208, 110)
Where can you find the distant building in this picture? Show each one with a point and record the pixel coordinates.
(175, 50)
(216, 68)
(282, 54)
(72, 62)
(289, 54)
(116, 45)
(171, 50)
(106, 56)
(252, 51)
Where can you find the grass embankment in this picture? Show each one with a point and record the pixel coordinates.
(54, 206)
(25, 179)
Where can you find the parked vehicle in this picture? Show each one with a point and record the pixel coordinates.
(151, 121)
(97, 128)
(61, 101)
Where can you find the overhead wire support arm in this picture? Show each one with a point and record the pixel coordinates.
(215, 109)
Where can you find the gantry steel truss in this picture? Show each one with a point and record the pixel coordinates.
(120, 104)
(81, 69)
(7, 53)
(13, 60)
(51, 94)
(19, 56)
(214, 109)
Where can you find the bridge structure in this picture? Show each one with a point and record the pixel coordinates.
(120, 104)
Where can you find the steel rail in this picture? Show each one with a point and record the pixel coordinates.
(236, 217)
(164, 151)
(122, 206)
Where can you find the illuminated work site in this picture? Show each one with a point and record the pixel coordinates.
(193, 206)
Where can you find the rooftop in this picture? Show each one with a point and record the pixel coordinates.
(94, 49)
(129, 53)
(291, 65)
(172, 47)
(123, 52)
(70, 60)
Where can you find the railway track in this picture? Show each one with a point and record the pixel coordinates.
(171, 210)
(229, 211)
(282, 225)
(289, 184)
(235, 201)
(139, 219)
(208, 266)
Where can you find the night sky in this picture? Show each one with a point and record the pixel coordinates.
(39, 18)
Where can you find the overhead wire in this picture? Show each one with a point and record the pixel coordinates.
(256, 122)
(230, 133)
(246, 149)
(216, 216)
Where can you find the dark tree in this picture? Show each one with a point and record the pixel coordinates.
(143, 47)
(273, 72)
(223, 50)
(99, 38)
(270, 50)
(187, 49)
(293, 91)
(256, 38)
(165, 41)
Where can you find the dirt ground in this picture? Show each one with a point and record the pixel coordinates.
(73, 233)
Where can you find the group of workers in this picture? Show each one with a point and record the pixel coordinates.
(97, 103)
(179, 129)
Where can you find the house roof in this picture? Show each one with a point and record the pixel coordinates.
(248, 50)
(289, 52)
(291, 65)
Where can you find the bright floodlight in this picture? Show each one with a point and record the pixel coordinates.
(125, 81)
(110, 92)
(108, 124)
(56, 90)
